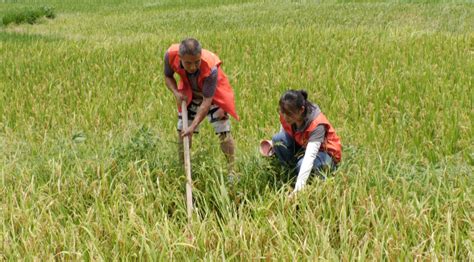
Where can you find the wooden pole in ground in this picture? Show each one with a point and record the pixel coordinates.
(187, 162)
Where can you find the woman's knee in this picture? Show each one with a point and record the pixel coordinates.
(279, 138)
(280, 142)
(323, 162)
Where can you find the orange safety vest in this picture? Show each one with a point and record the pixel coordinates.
(331, 143)
(224, 95)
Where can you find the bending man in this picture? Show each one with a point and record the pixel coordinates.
(205, 88)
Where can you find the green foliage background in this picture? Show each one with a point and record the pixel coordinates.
(89, 166)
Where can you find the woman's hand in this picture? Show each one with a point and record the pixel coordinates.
(292, 195)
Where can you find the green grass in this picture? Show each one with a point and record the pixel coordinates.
(88, 164)
(30, 16)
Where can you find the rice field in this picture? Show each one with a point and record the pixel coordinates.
(88, 146)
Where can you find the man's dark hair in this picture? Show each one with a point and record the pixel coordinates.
(189, 46)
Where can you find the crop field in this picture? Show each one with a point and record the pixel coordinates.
(89, 166)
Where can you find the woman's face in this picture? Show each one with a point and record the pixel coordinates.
(292, 116)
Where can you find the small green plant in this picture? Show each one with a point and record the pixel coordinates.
(29, 16)
(141, 146)
(48, 12)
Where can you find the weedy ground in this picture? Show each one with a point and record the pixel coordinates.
(89, 166)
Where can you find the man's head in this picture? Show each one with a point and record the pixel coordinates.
(190, 54)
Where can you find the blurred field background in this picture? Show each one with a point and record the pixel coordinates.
(89, 167)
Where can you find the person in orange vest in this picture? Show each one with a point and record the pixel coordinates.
(306, 141)
(207, 91)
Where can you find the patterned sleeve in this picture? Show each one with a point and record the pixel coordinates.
(210, 84)
(167, 68)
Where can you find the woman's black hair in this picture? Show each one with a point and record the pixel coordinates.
(292, 100)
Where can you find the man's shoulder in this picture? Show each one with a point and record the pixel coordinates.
(208, 52)
(211, 59)
(174, 48)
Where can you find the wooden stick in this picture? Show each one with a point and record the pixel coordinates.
(187, 162)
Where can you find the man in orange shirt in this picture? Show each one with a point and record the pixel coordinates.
(205, 88)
